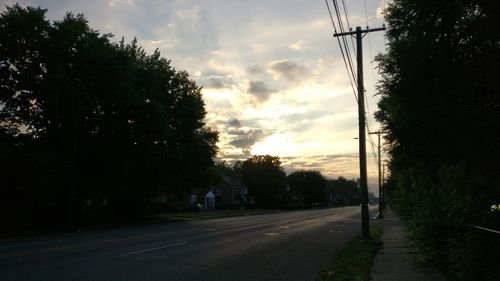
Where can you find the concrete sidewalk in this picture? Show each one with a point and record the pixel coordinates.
(394, 261)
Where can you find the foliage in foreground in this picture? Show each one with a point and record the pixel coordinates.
(354, 262)
(440, 107)
(90, 128)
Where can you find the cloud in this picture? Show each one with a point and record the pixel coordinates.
(256, 72)
(255, 69)
(234, 123)
(259, 90)
(121, 2)
(217, 82)
(231, 158)
(297, 46)
(289, 70)
(245, 139)
(215, 76)
(381, 10)
(281, 69)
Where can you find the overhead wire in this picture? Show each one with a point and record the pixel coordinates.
(349, 69)
(347, 56)
(368, 117)
(344, 39)
(348, 25)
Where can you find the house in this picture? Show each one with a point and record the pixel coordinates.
(203, 198)
(224, 192)
(240, 192)
(230, 192)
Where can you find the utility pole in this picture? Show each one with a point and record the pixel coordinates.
(380, 209)
(383, 184)
(359, 34)
(383, 174)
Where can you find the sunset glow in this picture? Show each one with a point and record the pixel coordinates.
(273, 78)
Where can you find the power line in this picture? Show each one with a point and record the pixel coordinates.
(369, 125)
(343, 55)
(346, 50)
(344, 40)
(367, 25)
(331, 16)
(348, 23)
(366, 15)
(346, 54)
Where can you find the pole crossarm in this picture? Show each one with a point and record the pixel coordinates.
(353, 32)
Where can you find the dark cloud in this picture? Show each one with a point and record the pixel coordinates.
(217, 82)
(246, 139)
(331, 166)
(255, 69)
(259, 90)
(244, 143)
(234, 123)
(289, 70)
(318, 160)
(213, 79)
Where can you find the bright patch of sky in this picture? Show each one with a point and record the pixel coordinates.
(273, 77)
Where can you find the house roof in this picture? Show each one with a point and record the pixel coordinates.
(201, 192)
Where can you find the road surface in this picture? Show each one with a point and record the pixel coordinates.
(279, 246)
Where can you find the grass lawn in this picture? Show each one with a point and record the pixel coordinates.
(354, 262)
(187, 216)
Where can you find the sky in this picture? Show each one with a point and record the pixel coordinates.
(273, 78)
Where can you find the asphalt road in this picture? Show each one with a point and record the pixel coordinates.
(279, 246)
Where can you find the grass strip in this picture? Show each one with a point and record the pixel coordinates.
(187, 216)
(354, 262)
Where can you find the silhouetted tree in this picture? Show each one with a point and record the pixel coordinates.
(264, 178)
(440, 107)
(307, 186)
(87, 121)
(345, 192)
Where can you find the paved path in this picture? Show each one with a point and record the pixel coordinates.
(287, 246)
(393, 261)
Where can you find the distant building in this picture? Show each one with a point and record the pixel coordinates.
(204, 198)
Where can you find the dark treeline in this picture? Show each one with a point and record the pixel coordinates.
(440, 108)
(344, 192)
(91, 129)
(270, 187)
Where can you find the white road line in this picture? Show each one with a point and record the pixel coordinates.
(154, 249)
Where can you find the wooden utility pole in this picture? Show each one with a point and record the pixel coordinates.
(380, 208)
(359, 34)
(383, 174)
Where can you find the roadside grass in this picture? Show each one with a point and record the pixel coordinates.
(354, 262)
(188, 216)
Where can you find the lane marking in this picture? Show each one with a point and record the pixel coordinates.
(154, 249)
(271, 234)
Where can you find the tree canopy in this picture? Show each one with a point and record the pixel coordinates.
(440, 107)
(264, 178)
(308, 187)
(346, 192)
(82, 118)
